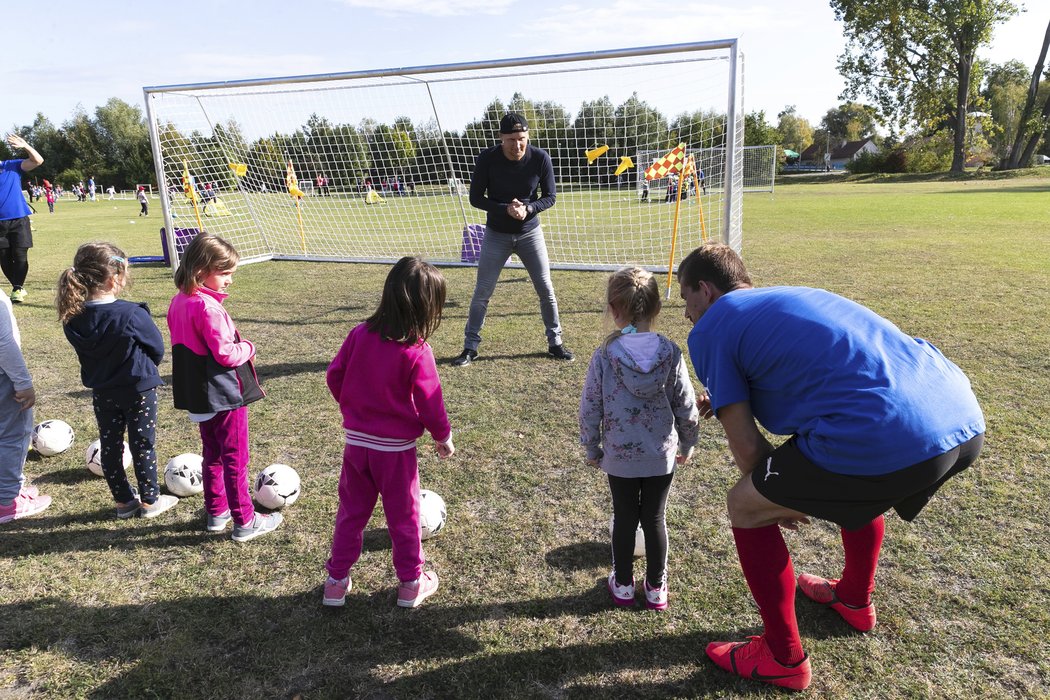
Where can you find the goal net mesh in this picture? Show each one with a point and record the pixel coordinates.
(376, 165)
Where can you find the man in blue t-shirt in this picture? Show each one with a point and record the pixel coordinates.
(877, 420)
(16, 235)
(507, 181)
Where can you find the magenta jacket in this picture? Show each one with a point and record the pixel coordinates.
(388, 392)
(211, 365)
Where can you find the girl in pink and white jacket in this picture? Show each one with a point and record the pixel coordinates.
(386, 383)
(214, 380)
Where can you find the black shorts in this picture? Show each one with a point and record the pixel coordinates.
(789, 479)
(16, 233)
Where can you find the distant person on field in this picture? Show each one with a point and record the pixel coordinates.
(91, 188)
(17, 499)
(214, 380)
(50, 195)
(638, 419)
(507, 181)
(111, 192)
(386, 383)
(877, 420)
(645, 191)
(119, 347)
(16, 235)
(143, 201)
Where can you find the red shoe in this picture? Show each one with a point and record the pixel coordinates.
(822, 590)
(753, 659)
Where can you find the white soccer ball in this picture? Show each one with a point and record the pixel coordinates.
(277, 486)
(184, 475)
(432, 513)
(52, 437)
(93, 457)
(639, 537)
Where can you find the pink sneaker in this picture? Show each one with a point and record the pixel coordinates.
(410, 594)
(656, 598)
(23, 506)
(29, 490)
(621, 595)
(335, 591)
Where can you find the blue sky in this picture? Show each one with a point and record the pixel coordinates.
(62, 55)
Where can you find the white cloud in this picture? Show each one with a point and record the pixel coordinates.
(435, 8)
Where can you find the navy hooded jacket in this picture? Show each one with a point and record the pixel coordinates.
(119, 347)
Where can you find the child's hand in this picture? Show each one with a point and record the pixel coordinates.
(683, 458)
(594, 463)
(704, 406)
(445, 449)
(26, 397)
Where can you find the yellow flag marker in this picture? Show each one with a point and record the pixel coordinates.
(625, 164)
(239, 169)
(596, 153)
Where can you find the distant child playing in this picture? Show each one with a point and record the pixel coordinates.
(119, 347)
(638, 418)
(17, 397)
(214, 380)
(386, 383)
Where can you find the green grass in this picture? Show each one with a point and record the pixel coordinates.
(93, 607)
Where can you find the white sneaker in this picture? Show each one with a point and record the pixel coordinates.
(621, 595)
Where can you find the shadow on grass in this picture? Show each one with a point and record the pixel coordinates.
(287, 646)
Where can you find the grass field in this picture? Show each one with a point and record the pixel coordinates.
(95, 607)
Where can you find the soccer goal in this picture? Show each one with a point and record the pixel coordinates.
(374, 165)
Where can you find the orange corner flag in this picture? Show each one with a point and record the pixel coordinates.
(672, 162)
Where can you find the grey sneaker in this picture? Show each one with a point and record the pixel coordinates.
(218, 523)
(260, 525)
(163, 503)
(129, 509)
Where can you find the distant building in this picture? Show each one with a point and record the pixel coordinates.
(840, 155)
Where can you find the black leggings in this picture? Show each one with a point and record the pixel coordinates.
(640, 500)
(15, 264)
(138, 413)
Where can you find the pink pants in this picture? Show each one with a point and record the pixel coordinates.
(368, 474)
(224, 447)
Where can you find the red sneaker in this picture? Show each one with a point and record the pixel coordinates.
(822, 590)
(753, 659)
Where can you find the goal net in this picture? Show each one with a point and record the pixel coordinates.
(374, 165)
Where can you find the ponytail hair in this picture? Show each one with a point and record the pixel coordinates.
(413, 299)
(634, 295)
(205, 254)
(94, 265)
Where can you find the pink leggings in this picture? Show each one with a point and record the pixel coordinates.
(224, 447)
(368, 474)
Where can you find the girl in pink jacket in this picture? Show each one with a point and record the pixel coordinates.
(386, 383)
(214, 380)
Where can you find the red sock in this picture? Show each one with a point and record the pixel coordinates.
(862, 556)
(767, 568)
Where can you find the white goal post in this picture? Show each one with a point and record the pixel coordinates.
(379, 162)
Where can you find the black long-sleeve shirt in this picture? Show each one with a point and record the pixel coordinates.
(497, 181)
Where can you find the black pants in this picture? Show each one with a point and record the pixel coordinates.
(641, 500)
(138, 413)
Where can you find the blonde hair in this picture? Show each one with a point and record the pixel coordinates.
(94, 265)
(634, 295)
(205, 254)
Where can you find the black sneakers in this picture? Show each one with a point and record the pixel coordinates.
(465, 358)
(560, 352)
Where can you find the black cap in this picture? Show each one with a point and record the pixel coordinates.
(512, 123)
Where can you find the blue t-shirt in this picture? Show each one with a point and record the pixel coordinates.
(862, 397)
(12, 203)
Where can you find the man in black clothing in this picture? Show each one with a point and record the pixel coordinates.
(507, 181)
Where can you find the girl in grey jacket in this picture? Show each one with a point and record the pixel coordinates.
(638, 419)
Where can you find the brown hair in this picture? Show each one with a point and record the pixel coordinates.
(206, 253)
(413, 298)
(94, 265)
(716, 263)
